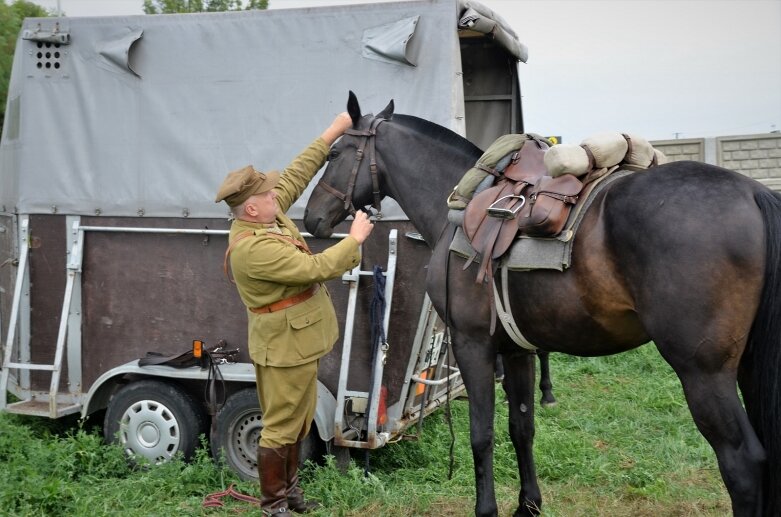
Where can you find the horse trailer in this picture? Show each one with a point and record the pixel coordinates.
(118, 132)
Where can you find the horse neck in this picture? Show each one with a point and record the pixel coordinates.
(422, 172)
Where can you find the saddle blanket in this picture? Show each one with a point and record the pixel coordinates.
(529, 253)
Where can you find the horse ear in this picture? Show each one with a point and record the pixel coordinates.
(387, 113)
(353, 108)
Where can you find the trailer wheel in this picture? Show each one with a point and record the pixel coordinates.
(237, 431)
(235, 436)
(313, 448)
(154, 420)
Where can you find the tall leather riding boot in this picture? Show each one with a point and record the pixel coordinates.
(272, 470)
(295, 495)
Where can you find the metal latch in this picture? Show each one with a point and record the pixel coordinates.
(55, 35)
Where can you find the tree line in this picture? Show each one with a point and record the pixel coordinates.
(200, 6)
(11, 18)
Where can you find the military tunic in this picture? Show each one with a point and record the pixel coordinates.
(285, 344)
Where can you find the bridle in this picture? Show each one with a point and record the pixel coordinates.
(347, 197)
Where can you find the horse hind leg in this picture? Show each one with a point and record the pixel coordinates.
(547, 398)
(717, 411)
(546, 385)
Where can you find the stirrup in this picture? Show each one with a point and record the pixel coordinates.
(506, 213)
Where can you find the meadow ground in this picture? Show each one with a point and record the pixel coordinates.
(621, 442)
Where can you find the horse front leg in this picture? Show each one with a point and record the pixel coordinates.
(518, 384)
(476, 362)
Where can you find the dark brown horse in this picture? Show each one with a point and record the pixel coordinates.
(684, 254)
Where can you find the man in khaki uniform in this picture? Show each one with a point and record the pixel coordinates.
(292, 322)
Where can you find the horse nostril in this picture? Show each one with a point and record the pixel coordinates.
(312, 223)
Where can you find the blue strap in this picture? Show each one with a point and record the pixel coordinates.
(377, 310)
(376, 317)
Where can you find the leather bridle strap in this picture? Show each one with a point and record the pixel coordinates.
(339, 195)
(373, 166)
(347, 196)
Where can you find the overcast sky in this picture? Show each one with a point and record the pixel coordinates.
(659, 68)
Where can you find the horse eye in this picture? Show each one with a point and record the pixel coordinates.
(333, 155)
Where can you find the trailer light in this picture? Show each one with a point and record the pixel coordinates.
(421, 388)
(197, 348)
(382, 411)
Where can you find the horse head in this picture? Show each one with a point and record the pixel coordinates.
(352, 177)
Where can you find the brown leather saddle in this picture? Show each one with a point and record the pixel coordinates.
(523, 201)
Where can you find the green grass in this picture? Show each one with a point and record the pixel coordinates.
(621, 442)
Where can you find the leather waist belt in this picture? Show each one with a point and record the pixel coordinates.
(287, 302)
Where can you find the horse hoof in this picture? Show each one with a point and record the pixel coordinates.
(527, 511)
(549, 403)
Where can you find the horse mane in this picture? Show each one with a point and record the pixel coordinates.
(439, 133)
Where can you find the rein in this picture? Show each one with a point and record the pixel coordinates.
(347, 197)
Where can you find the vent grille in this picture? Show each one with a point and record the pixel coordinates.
(48, 56)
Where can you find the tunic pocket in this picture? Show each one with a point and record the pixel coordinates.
(309, 336)
(305, 320)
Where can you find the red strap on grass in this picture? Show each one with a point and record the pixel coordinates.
(215, 500)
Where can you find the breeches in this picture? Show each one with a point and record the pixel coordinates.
(288, 397)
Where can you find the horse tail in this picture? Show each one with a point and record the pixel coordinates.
(763, 355)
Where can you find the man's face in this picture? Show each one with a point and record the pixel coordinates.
(264, 207)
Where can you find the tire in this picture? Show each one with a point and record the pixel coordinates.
(235, 436)
(154, 420)
(312, 448)
(342, 456)
(237, 431)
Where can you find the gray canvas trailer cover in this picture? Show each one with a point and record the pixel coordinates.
(145, 115)
(118, 132)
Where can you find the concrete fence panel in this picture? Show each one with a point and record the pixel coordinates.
(756, 156)
(683, 149)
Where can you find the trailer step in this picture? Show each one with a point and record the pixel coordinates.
(31, 366)
(41, 408)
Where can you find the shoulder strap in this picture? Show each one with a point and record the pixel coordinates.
(295, 242)
(225, 263)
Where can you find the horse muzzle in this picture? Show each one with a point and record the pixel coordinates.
(317, 226)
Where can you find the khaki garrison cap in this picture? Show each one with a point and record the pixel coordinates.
(240, 184)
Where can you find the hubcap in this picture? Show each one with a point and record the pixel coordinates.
(149, 429)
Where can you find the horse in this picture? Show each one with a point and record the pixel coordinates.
(685, 255)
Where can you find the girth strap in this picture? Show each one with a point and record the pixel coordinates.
(505, 316)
